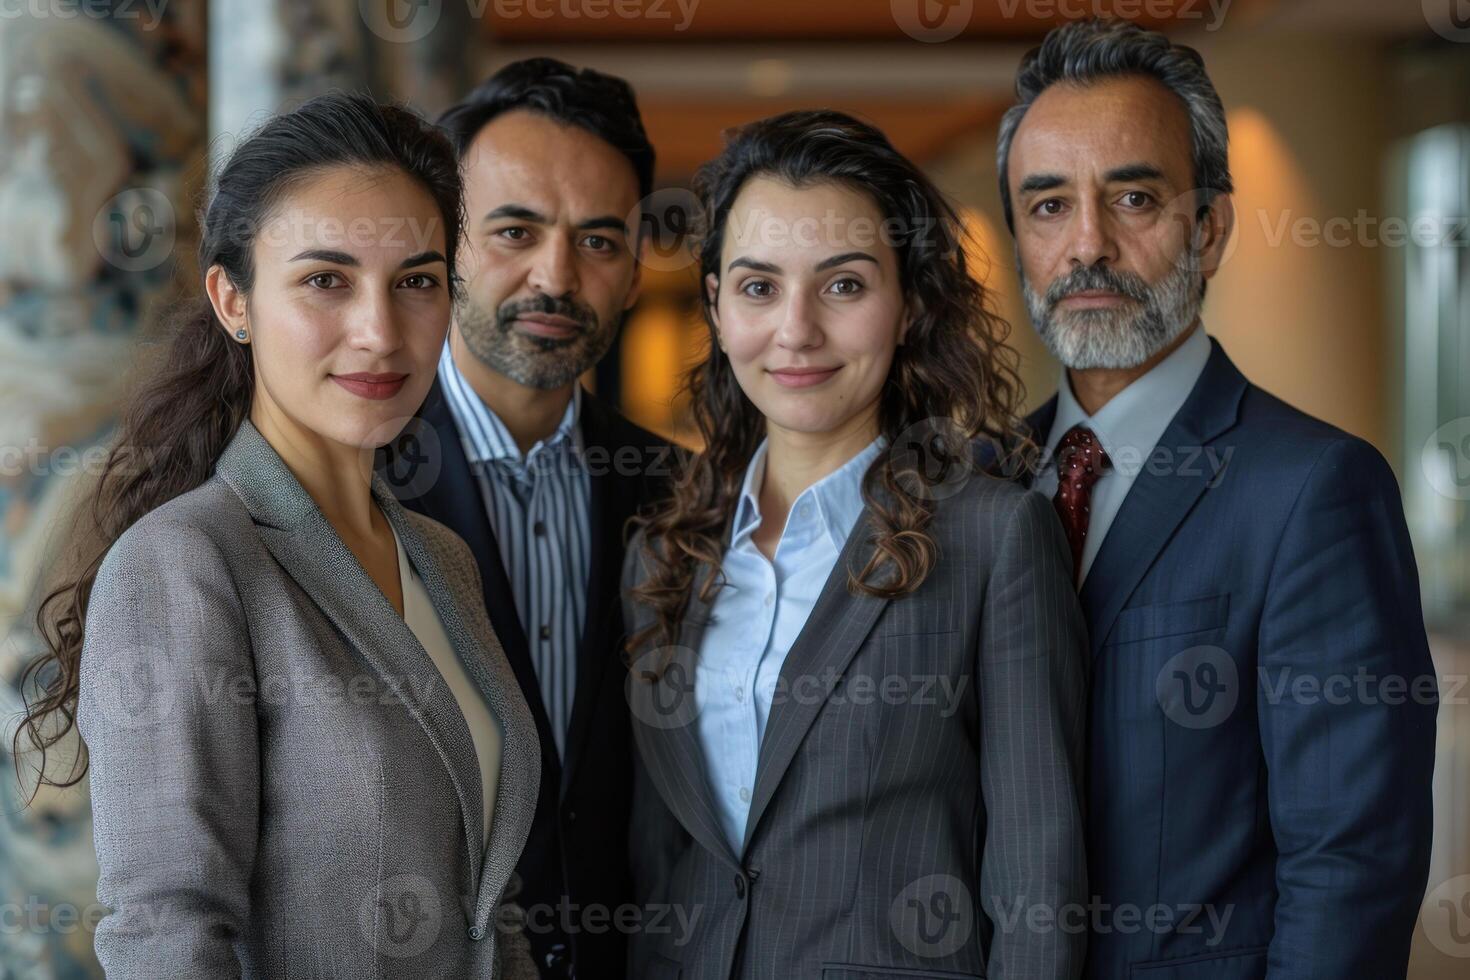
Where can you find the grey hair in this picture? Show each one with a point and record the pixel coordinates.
(1087, 51)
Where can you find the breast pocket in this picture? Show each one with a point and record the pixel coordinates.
(1169, 619)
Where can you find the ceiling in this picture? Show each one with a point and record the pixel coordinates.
(924, 71)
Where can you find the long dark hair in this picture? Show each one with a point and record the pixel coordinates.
(181, 417)
(953, 380)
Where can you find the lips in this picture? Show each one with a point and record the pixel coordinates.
(1094, 297)
(373, 386)
(548, 325)
(802, 377)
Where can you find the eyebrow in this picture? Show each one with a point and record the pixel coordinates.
(822, 266)
(523, 213)
(1127, 173)
(343, 258)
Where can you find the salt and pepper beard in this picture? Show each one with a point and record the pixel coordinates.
(551, 362)
(1125, 336)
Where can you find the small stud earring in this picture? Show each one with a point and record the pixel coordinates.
(240, 334)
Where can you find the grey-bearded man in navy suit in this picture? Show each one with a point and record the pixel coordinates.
(1262, 712)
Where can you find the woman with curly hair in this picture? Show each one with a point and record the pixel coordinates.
(857, 662)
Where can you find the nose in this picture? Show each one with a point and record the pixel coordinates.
(554, 268)
(799, 328)
(374, 323)
(1093, 239)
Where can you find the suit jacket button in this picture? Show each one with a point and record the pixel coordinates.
(739, 885)
(571, 816)
(476, 933)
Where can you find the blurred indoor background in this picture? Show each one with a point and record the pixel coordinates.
(1346, 291)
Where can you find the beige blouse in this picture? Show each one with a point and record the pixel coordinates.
(421, 617)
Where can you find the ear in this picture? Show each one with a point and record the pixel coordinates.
(712, 290)
(912, 310)
(228, 302)
(1214, 230)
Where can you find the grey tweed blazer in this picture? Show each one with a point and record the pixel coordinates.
(282, 783)
(916, 808)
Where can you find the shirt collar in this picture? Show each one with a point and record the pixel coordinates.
(485, 437)
(1130, 425)
(837, 497)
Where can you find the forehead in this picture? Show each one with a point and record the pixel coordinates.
(358, 210)
(771, 216)
(565, 171)
(1085, 130)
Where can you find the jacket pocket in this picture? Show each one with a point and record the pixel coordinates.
(1230, 964)
(858, 971)
(1170, 619)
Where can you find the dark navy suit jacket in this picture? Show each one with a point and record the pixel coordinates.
(1262, 711)
(573, 873)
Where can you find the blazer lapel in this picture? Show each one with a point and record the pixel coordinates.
(664, 729)
(451, 496)
(519, 782)
(1160, 499)
(831, 636)
(296, 532)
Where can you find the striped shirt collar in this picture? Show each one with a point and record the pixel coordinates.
(485, 437)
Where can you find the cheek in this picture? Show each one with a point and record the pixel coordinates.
(746, 338)
(295, 334)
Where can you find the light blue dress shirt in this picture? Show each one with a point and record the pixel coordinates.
(539, 506)
(757, 616)
(1129, 427)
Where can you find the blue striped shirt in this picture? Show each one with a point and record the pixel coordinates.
(539, 507)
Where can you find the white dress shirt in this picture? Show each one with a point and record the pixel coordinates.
(423, 619)
(1129, 427)
(757, 617)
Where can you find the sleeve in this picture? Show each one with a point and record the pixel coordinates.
(168, 712)
(1033, 689)
(1347, 719)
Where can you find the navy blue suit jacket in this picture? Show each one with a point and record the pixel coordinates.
(1262, 711)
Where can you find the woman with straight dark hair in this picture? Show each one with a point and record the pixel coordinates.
(309, 756)
(857, 662)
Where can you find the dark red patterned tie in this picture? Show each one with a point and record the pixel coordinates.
(1080, 463)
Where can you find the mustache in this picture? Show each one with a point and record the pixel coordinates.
(510, 311)
(1098, 277)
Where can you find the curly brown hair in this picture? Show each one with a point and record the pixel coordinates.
(952, 389)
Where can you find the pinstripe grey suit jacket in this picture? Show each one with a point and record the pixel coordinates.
(915, 810)
(282, 783)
